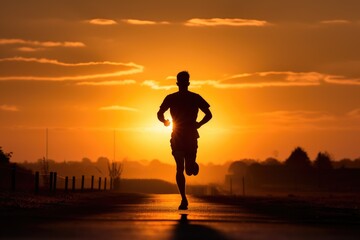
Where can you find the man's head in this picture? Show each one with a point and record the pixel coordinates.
(183, 79)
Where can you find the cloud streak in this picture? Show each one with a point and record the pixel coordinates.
(336, 21)
(9, 108)
(102, 21)
(118, 108)
(354, 114)
(157, 85)
(296, 117)
(56, 62)
(29, 49)
(264, 79)
(143, 22)
(299, 120)
(107, 83)
(278, 79)
(233, 22)
(131, 68)
(341, 80)
(271, 79)
(46, 44)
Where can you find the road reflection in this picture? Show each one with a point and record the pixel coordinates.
(185, 230)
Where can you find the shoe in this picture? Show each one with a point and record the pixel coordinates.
(188, 171)
(183, 205)
(195, 169)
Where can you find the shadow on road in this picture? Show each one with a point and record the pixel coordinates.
(184, 230)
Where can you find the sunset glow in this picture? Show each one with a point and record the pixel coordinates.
(277, 75)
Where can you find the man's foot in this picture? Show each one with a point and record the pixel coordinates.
(183, 205)
(195, 169)
(192, 169)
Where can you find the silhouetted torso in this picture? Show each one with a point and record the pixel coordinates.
(184, 107)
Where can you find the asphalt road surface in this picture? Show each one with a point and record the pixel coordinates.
(157, 217)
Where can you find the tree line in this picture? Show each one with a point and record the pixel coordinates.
(297, 173)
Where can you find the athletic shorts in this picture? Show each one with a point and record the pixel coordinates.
(187, 145)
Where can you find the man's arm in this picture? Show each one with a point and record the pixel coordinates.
(206, 118)
(160, 116)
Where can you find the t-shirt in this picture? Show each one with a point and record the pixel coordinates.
(184, 108)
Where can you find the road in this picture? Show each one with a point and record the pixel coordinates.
(158, 218)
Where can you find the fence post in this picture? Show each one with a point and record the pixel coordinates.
(73, 183)
(13, 178)
(66, 183)
(55, 179)
(51, 181)
(92, 183)
(99, 183)
(82, 182)
(37, 178)
(105, 184)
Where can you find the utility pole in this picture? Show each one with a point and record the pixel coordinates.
(47, 144)
(114, 145)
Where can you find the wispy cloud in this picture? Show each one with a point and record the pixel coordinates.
(9, 108)
(143, 22)
(234, 22)
(336, 21)
(289, 120)
(29, 49)
(295, 117)
(129, 68)
(157, 85)
(271, 79)
(46, 44)
(277, 79)
(249, 80)
(299, 120)
(262, 80)
(355, 114)
(341, 80)
(118, 108)
(107, 83)
(56, 62)
(102, 21)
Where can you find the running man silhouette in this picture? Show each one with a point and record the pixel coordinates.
(184, 107)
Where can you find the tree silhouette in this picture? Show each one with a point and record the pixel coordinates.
(323, 162)
(115, 171)
(86, 161)
(238, 168)
(270, 161)
(298, 159)
(5, 157)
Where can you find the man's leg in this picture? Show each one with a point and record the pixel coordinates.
(191, 167)
(178, 153)
(180, 178)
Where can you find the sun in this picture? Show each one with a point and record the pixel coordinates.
(159, 127)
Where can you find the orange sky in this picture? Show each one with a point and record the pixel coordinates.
(277, 74)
